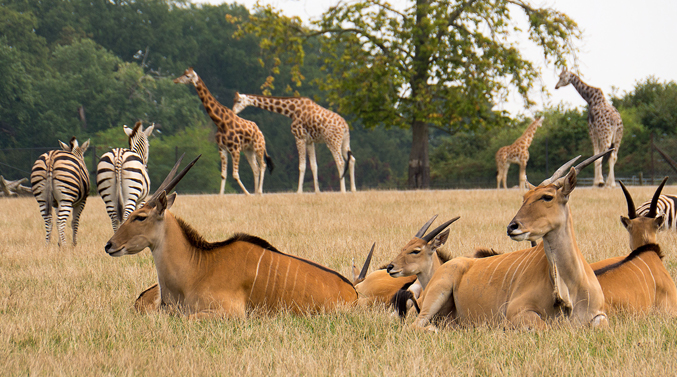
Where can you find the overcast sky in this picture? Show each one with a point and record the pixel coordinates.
(624, 41)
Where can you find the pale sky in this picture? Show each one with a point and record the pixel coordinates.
(624, 41)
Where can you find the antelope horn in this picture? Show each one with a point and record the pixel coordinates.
(631, 205)
(170, 181)
(425, 227)
(654, 200)
(439, 229)
(363, 273)
(588, 161)
(560, 172)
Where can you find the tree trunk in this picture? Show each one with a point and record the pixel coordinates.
(419, 163)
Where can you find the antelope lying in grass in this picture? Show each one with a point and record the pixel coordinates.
(523, 288)
(222, 279)
(417, 260)
(639, 281)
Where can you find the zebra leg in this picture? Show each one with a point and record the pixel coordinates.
(47, 216)
(62, 213)
(77, 211)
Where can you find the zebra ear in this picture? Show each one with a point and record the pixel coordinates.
(149, 130)
(65, 146)
(128, 130)
(84, 146)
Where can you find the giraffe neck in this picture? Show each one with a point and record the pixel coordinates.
(221, 115)
(287, 106)
(528, 134)
(589, 93)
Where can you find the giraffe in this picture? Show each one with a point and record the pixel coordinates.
(516, 153)
(605, 125)
(311, 124)
(233, 135)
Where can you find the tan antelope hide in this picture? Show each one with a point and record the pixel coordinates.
(527, 287)
(222, 279)
(382, 285)
(639, 281)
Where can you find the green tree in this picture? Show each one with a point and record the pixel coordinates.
(438, 63)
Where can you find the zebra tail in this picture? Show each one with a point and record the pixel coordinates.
(119, 205)
(269, 162)
(47, 193)
(347, 163)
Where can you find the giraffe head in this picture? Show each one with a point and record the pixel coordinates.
(188, 77)
(240, 102)
(564, 78)
(74, 147)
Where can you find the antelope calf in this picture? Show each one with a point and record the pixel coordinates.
(222, 279)
(639, 281)
(420, 256)
(523, 288)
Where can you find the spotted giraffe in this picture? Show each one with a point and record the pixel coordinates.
(311, 124)
(233, 135)
(605, 125)
(516, 153)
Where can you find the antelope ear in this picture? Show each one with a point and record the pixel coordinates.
(625, 221)
(128, 130)
(569, 183)
(659, 220)
(438, 241)
(170, 200)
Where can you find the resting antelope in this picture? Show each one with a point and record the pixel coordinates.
(523, 288)
(223, 279)
(639, 281)
(417, 261)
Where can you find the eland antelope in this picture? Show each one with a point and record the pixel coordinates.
(523, 288)
(639, 281)
(420, 256)
(222, 279)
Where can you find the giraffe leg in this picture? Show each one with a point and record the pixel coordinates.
(340, 165)
(262, 168)
(235, 155)
(224, 169)
(599, 175)
(611, 179)
(313, 165)
(301, 147)
(349, 158)
(251, 158)
(351, 168)
(523, 175)
(77, 211)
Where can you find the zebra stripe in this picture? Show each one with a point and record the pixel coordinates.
(122, 177)
(667, 204)
(60, 179)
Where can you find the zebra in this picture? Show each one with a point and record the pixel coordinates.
(666, 204)
(60, 179)
(122, 176)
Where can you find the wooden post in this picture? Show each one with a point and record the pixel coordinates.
(652, 147)
(547, 174)
(641, 179)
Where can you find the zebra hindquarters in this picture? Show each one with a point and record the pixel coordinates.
(134, 184)
(107, 184)
(41, 186)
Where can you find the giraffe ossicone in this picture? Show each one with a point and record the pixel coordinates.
(605, 125)
(311, 124)
(516, 153)
(233, 135)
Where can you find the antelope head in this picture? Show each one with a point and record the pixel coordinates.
(642, 229)
(417, 255)
(544, 207)
(145, 226)
(188, 77)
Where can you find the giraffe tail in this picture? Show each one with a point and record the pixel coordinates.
(347, 163)
(269, 162)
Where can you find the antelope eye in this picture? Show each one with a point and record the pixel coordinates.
(416, 251)
(140, 218)
(547, 198)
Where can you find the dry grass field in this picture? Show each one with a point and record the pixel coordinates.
(69, 311)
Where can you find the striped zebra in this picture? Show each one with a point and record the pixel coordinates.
(666, 204)
(122, 177)
(60, 179)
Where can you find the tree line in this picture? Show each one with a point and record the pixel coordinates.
(85, 68)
